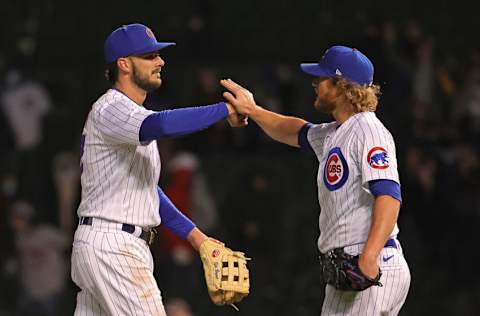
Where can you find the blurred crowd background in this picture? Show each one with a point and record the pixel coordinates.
(238, 185)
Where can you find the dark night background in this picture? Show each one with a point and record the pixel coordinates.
(239, 186)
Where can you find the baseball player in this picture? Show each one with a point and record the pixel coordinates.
(358, 184)
(120, 167)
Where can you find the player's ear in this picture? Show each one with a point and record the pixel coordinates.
(123, 65)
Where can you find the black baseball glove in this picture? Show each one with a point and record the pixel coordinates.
(341, 270)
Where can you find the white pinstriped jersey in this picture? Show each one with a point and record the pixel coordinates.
(119, 174)
(358, 151)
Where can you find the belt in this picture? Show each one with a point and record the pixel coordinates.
(390, 244)
(147, 235)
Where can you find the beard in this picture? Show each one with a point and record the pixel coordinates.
(324, 106)
(143, 80)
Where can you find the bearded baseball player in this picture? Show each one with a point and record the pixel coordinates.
(121, 202)
(361, 258)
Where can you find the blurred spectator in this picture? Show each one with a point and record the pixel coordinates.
(42, 264)
(419, 189)
(208, 89)
(9, 185)
(187, 188)
(424, 73)
(466, 107)
(25, 102)
(66, 177)
(286, 90)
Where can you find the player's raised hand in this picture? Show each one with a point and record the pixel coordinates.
(236, 119)
(239, 97)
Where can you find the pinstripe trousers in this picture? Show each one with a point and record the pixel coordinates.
(114, 270)
(375, 301)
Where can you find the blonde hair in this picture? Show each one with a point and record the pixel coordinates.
(363, 98)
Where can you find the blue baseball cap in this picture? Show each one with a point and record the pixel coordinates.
(131, 39)
(345, 62)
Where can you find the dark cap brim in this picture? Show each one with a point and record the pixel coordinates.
(144, 50)
(316, 69)
(154, 48)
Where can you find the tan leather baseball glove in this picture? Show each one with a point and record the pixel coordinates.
(226, 272)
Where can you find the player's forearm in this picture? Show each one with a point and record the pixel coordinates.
(172, 218)
(385, 214)
(196, 237)
(178, 122)
(281, 128)
(178, 223)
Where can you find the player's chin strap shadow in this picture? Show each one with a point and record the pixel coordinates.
(233, 305)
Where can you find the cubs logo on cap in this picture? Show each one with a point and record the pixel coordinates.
(378, 158)
(335, 172)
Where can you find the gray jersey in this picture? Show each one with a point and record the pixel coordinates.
(119, 174)
(350, 155)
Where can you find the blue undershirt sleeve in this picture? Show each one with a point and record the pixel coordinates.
(385, 187)
(182, 121)
(303, 139)
(172, 218)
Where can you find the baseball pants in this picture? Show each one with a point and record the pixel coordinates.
(374, 301)
(114, 270)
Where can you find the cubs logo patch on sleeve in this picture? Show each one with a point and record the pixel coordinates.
(378, 158)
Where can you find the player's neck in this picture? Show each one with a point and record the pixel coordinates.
(133, 92)
(342, 114)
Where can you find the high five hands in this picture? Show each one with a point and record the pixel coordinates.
(236, 117)
(241, 99)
